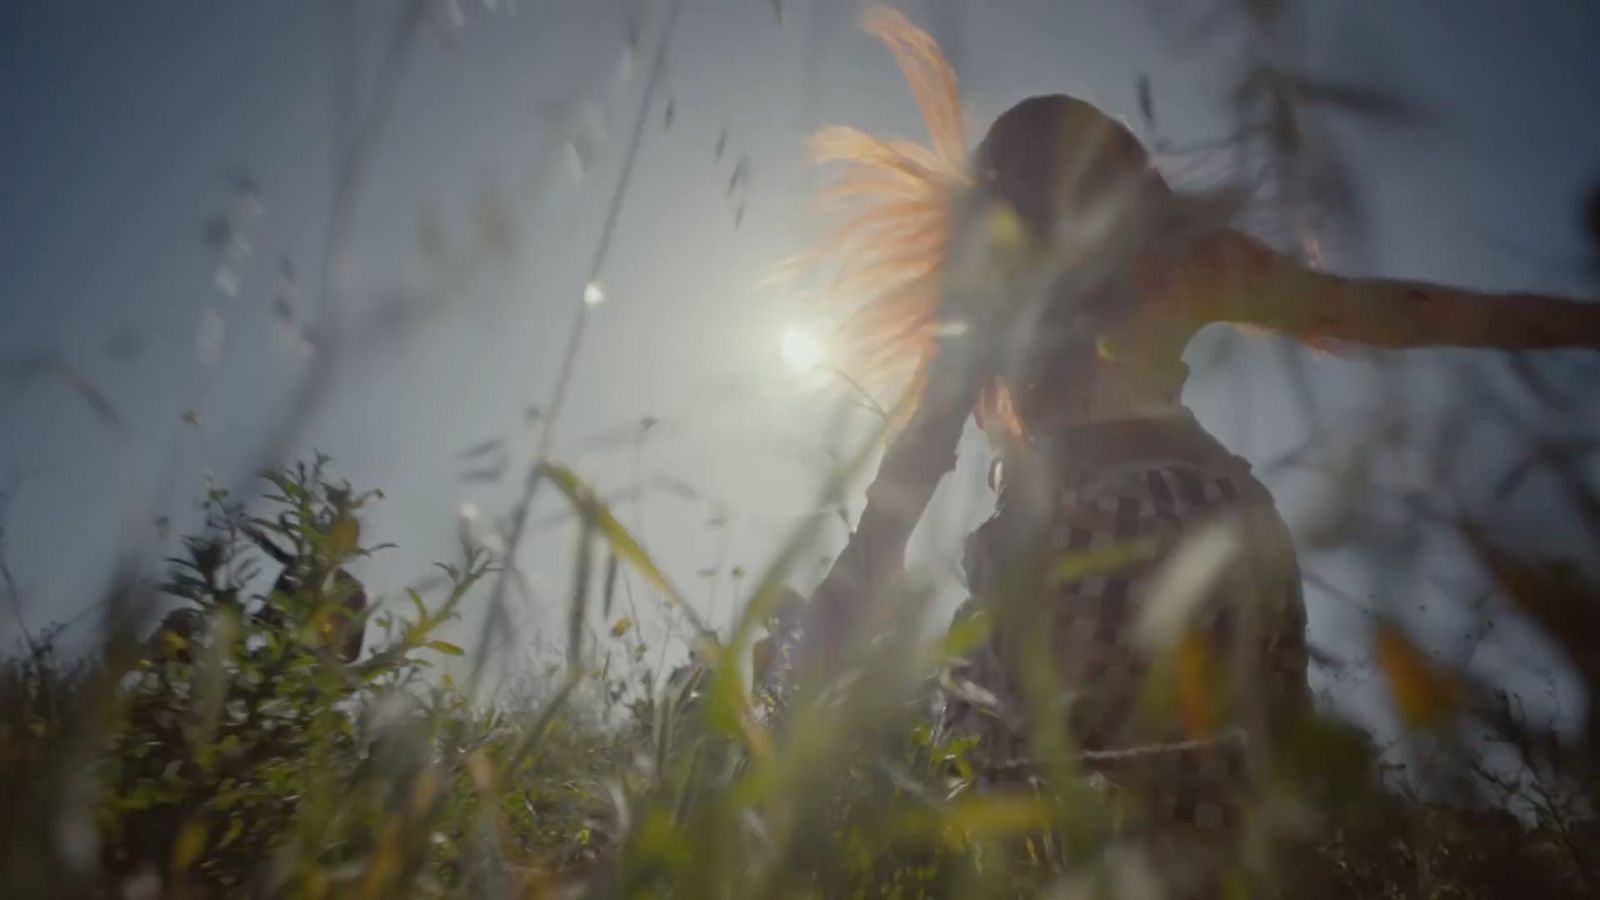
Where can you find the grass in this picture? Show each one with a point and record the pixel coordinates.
(249, 759)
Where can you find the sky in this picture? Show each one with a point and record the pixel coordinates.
(126, 125)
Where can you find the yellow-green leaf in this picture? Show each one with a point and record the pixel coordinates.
(622, 543)
(235, 830)
(999, 815)
(980, 818)
(446, 648)
(965, 635)
(343, 536)
(1109, 561)
(190, 844)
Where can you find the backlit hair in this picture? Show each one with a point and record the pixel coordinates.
(886, 218)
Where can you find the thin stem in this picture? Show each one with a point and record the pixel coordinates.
(12, 592)
(868, 402)
(558, 397)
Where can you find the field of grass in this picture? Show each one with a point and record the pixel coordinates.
(247, 758)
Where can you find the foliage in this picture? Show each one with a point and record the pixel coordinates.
(248, 760)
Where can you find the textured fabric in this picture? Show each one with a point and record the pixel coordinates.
(1163, 718)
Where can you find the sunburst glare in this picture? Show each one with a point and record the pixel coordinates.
(802, 351)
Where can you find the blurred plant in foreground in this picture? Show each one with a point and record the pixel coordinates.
(241, 756)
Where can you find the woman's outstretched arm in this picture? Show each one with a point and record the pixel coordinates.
(1235, 278)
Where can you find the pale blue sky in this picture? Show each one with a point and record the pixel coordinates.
(121, 121)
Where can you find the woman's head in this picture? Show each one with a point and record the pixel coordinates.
(1053, 154)
(891, 205)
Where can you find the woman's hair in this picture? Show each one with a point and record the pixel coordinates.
(886, 217)
(888, 211)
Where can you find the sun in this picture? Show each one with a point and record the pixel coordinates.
(802, 350)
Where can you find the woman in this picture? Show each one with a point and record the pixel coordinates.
(1140, 583)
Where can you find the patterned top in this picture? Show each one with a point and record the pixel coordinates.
(1160, 713)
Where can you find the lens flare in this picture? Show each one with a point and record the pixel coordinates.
(801, 349)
